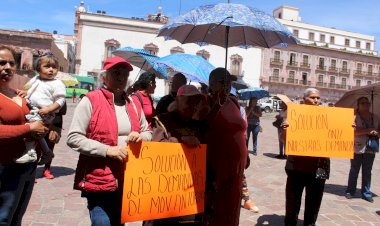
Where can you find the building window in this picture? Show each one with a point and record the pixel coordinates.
(332, 80)
(236, 64)
(368, 46)
(292, 74)
(347, 42)
(321, 63)
(369, 82)
(357, 44)
(344, 66)
(358, 82)
(344, 81)
(292, 59)
(332, 39)
(320, 78)
(370, 69)
(311, 36)
(296, 33)
(276, 74)
(203, 53)
(305, 60)
(151, 48)
(304, 78)
(359, 67)
(277, 55)
(177, 49)
(333, 64)
(110, 46)
(322, 38)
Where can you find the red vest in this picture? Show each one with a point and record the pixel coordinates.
(103, 128)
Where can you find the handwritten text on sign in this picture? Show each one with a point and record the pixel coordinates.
(320, 131)
(163, 180)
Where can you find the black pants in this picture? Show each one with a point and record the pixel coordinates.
(295, 185)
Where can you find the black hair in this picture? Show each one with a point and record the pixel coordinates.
(49, 56)
(358, 101)
(144, 80)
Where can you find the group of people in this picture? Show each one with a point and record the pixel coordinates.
(108, 119)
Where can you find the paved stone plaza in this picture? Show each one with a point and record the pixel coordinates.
(54, 202)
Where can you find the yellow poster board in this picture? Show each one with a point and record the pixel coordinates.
(320, 131)
(163, 180)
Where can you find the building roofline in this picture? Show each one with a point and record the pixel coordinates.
(287, 7)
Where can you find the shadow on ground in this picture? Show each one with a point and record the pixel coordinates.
(340, 190)
(273, 156)
(57, 171)
(273, 219)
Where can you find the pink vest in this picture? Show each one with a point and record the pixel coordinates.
(103, 128)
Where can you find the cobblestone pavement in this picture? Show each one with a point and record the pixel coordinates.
(54, 202)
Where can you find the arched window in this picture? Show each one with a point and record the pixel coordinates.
(110, 46)
(203, 53)
(151, 48)
(236, 64)
(177, 49)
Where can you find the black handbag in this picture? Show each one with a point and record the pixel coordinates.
(372, 144)
(277, 123)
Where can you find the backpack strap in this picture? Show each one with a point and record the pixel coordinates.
(140, 99)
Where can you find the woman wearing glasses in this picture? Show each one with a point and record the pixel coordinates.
(104, 123)
(16, 180)
(367, 124)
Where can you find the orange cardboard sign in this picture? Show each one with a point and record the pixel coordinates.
(163, 180)
(320, 131)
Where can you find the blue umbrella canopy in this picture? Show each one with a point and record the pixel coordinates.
(253, 92)
(247, 26)
(141, 59)
(195, 68)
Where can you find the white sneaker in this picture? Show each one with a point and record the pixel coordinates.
(30, 156)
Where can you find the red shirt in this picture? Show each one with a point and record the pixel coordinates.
(12, 129)
(147, 106)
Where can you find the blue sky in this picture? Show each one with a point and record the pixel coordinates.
(350, 15)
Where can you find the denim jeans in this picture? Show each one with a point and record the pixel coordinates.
(104, 208)
(16, 186)
(365, 161)
(254, 129)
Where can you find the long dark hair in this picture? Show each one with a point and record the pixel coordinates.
(144, 80)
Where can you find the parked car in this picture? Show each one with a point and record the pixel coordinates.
(270, 105)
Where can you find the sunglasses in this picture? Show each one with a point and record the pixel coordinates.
(4, 62)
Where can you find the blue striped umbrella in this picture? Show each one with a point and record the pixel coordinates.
(142, 59)
(253, 92)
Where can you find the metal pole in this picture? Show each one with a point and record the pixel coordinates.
(226, 46)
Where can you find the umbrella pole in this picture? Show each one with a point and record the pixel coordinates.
(227, 35)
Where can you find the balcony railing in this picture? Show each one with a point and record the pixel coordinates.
(304, 82)
(274, 79)
(359, 72)
(333, 69)
(304, 65)
(292, 64)
(321, 68)
(276, 61)
(292, 81)
(344, 71)
(321, 84)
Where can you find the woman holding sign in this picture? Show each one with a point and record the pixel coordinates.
(308, 173)
(367, 124)
(104, 122)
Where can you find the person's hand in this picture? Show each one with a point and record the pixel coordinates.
(21, 93)
(134, 137)
(54, 136)
(117, 152)
(38, 129)
(44, 111)
(373, 133)
(190, 140)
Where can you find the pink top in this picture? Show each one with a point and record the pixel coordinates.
(147, 106)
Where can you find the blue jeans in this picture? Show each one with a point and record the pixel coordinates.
(104, 208)
(366, 162)
(254, 129)
(17, 182)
